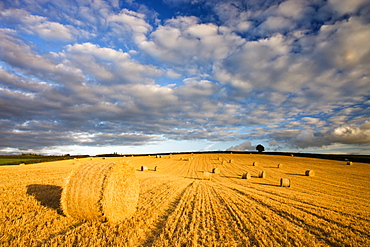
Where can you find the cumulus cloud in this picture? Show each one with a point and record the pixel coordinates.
(345, 7)
(294, 73)
(39, 25)
(184, 40)
(242, 147)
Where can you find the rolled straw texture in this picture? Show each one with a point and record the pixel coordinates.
(206, 176)
(310, 173)
(285, 182)
(216, 170)
(246, 175)
(101, 191)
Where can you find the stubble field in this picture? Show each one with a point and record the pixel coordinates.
(177, 208)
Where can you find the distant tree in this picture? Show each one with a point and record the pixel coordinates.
(260, 148)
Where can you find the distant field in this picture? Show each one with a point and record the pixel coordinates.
(30, 159)
(177, 208)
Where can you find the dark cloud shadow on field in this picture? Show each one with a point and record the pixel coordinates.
(48, 195)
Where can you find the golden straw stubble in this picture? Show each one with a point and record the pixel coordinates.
(101, 191)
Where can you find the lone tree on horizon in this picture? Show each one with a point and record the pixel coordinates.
(260, 148)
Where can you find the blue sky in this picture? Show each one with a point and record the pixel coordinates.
(92, 77)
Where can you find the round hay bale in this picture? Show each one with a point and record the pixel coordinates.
(157, 156)
(101, 191)
(223, 162)
(219, 158)
(216, 170)
(349, 163)
(143, 168)
(310, 173)
(22, 164)
(206, 176)
(284, 182)
(254, 163)
(280, 165)
(156, 168)
(231, 161)
(262, 174)
(246, 175)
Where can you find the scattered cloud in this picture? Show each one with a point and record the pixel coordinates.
(294, 74)
(242, 147)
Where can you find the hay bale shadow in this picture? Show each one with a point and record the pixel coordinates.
(48, 195)
(274, 185)
(295, 174)
(230, 176)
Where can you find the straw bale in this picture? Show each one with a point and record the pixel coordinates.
(143, 168)
(310, 173)
(349, 163)
(216, 170)
(206, 176)
(284, 182)
(22, 164)
(262, 174)
(246, 175)
(231, 161)
(101, 191)
(255, 163)
(280, 165)
(156, 168)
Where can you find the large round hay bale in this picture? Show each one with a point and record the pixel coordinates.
(219, 158)
(231, 160)
(310, 173)
(262, 174)
(246, 175)
(349, 163)
(156, 168)
(206, 176)
(216, 170)
(254, 164)
(143, 168)
(101, 191)
(280, 165)
(284, 182)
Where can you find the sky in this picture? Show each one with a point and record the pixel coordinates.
(133, 76)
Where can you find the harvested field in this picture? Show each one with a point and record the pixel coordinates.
(177, 208)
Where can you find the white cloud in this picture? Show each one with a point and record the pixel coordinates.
(345, 7)
(242, 147)
(109, 65)
(40, 25)
(131, 23)
(183, 40)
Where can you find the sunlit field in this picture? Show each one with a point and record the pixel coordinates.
(177, 208)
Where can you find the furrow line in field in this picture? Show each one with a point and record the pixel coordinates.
(322, 229)
(264, 226)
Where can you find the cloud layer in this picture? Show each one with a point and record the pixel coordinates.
(288, 74)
